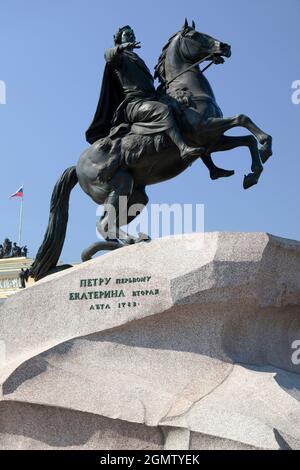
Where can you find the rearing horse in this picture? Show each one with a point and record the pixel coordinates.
(202, 121)
(126, 164)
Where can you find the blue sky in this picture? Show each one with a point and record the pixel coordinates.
(52, 61)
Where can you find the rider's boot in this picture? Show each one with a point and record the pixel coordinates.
(186, 152)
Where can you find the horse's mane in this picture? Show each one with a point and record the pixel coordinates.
(159, 69)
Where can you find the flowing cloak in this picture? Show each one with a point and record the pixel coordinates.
(111, 96)
(129, 104)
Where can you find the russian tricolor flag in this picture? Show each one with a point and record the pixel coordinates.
(18, 193)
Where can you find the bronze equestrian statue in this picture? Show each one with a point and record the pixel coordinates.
(142, 136)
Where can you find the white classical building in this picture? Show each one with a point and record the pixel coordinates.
(10, 269)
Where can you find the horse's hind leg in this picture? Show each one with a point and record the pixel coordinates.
(229, 143)
(136, 204)
(115, 208)
(214, 171)
(119, 213)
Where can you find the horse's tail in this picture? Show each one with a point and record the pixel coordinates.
(51, 248)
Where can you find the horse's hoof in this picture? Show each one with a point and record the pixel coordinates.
(129, 241)
(143, 237)
(251, 179)
(220, 173)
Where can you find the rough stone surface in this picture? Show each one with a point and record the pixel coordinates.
(203, 360)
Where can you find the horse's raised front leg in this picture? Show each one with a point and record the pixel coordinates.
(221, 125)
(214, 171)
(264, 139)
(229, 143)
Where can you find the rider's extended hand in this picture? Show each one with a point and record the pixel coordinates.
(130, 45)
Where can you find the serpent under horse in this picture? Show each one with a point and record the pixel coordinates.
(126, 164)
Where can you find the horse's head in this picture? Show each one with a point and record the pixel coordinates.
(195, 46)
(188, 46)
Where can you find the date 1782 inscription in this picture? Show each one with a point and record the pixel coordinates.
(106, 290)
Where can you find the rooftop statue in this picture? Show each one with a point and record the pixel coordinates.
(12, 250)
(16, 251)
(7, 246)
(141, 136)
(24, 251)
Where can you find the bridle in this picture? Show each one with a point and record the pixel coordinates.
(191, 67)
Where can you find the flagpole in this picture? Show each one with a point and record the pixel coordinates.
(20, 222)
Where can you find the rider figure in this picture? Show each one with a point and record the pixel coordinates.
(139, 106)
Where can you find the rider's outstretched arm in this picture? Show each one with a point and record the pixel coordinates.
(114, 54)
